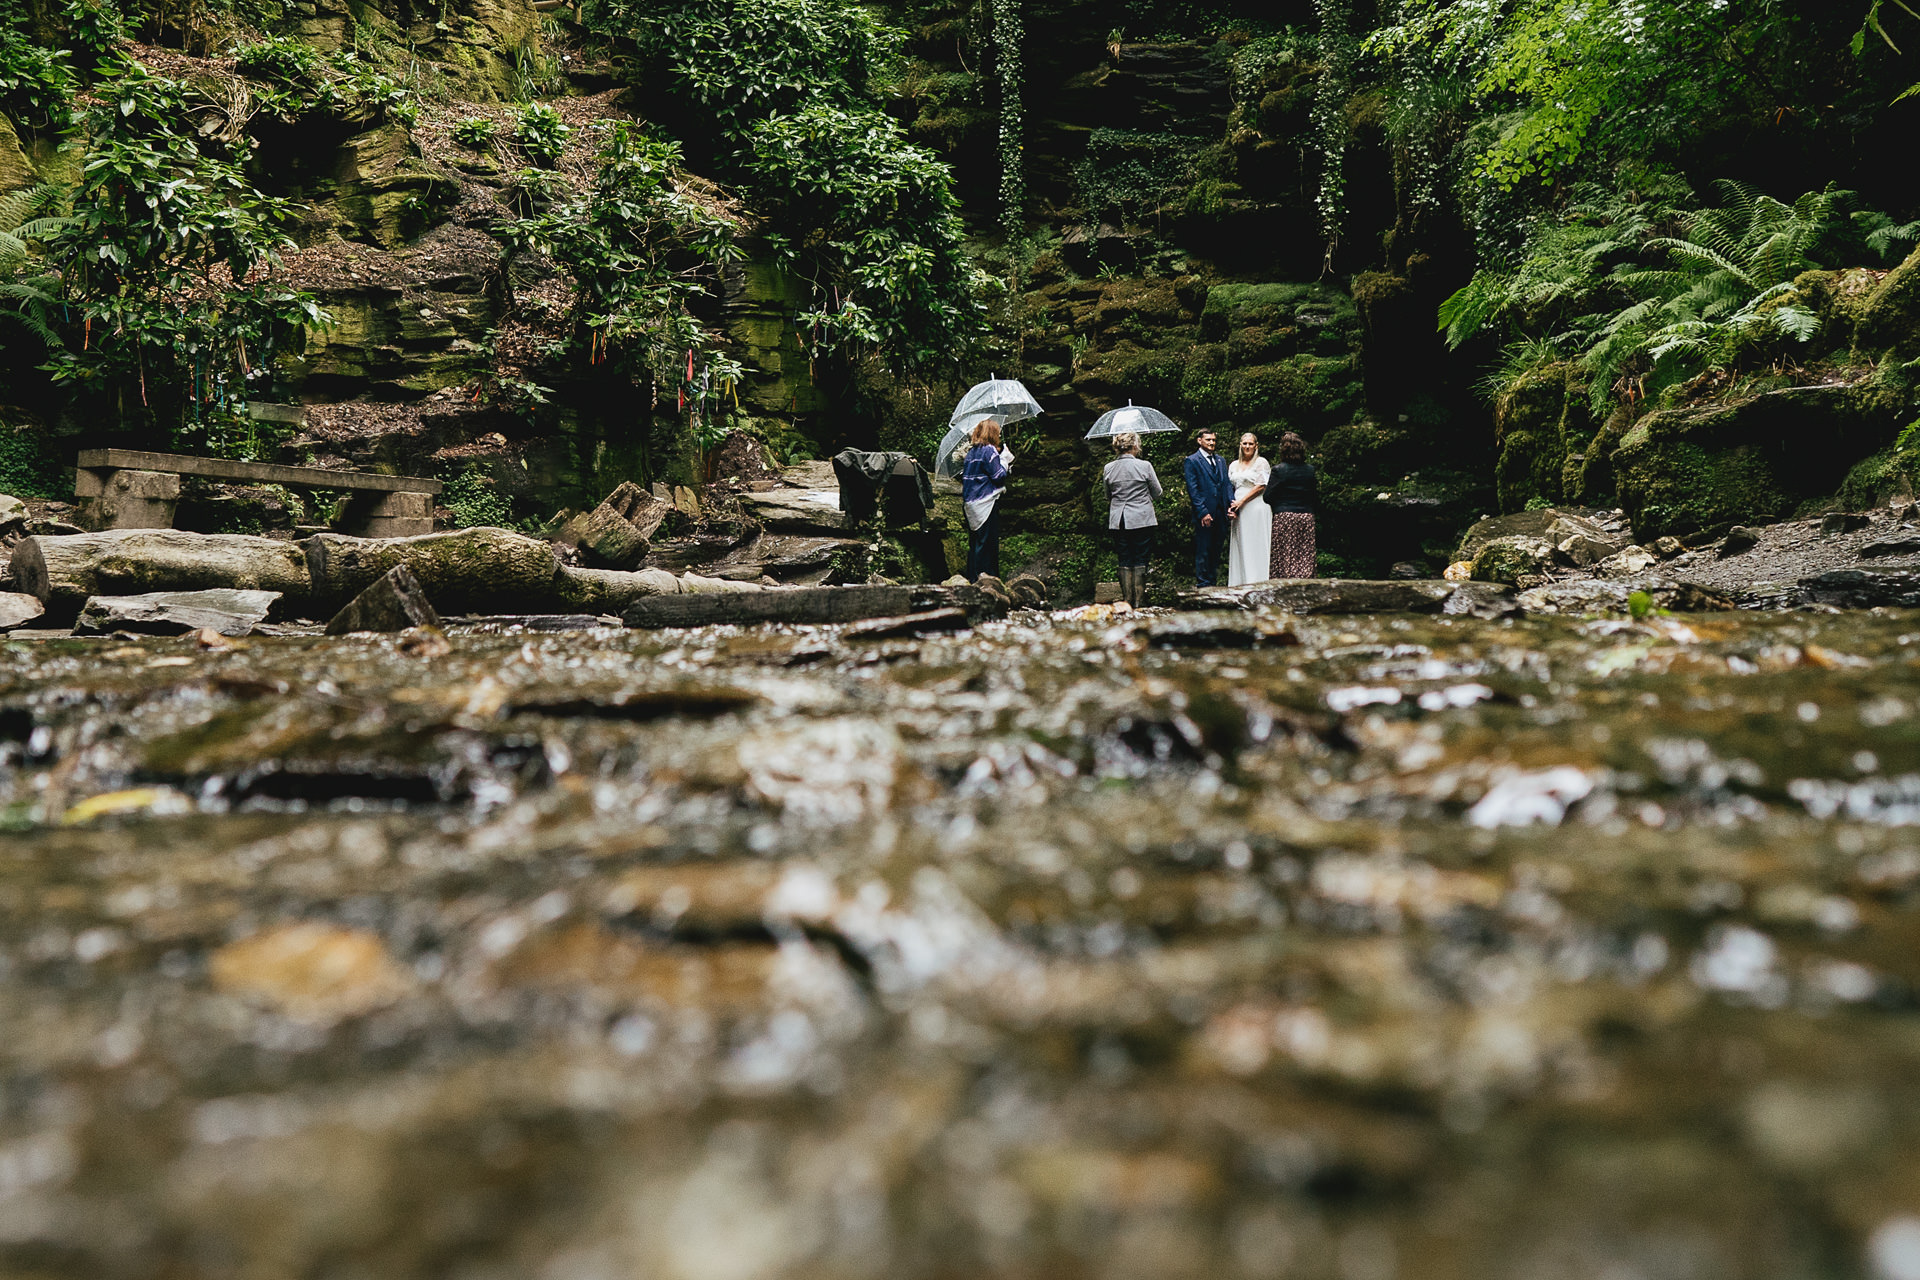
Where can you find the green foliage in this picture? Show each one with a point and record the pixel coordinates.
(26, 468)
(1128, 174)
(642, 254)
(1009, 33)
(290, 78)
(475, 132)
(474, 501)
(1649, 296)
(1337, 49)
(145, 320)
(784, 93)
(876, 214)
(36, 81)
(542, 134)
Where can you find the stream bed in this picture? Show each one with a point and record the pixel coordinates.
(1209, 945)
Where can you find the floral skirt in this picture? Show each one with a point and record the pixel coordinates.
(1293, 548)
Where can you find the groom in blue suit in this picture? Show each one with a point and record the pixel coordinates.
(1211, 493)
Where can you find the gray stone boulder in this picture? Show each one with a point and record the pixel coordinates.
(806, 511)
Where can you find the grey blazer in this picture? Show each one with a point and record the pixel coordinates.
(1131, 488)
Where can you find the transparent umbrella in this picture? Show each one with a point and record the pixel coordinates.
(1136, 418)
(1002, 398)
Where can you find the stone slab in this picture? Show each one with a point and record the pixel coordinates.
(249, 472)
(796, 510)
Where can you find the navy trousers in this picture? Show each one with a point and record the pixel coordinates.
(983, 546)
(1209, 544)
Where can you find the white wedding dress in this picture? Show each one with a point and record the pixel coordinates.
(1250, 544)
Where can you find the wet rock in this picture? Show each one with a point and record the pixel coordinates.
(173, 613)
(17, 610)
(13, 514)
(1324, 595)
(1511, 557)
(913, 624)
(1739, 538)
(807, 511)
(1482, 600)
(1591, 595)
(1667, 547)
(1890, 547)
(1523, 524)
(1861, 589)
(1029, 590)
(805, 605)
(64, 571)
(993, 589)
(1218, 629)
(310, 972)
(477, 570)
(1626, 563)
(1844, 521)
(1407, 571)
(394, 602)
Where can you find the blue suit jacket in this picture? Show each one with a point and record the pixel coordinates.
(1208, 487)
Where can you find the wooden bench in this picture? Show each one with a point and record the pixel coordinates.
(133, 489)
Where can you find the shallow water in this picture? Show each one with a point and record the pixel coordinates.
(1072, 946)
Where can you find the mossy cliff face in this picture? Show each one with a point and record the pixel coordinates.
(473, 42)
(1542, 426)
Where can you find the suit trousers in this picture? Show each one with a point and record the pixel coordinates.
(1209, 544)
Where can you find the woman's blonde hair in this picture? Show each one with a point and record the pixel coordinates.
(1126, 442)
(987, 431)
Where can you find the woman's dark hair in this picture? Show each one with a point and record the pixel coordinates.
(1292, 448)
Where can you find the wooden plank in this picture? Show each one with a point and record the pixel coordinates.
(256, 472)
(810, 605)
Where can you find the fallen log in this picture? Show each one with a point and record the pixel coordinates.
(393, 603)
(477, 570)
(803, 605)
(174, 613)
(609, 590)
(63, 572)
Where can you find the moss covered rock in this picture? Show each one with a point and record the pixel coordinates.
(1541, 424)
(1890, 318)
(1705, 468)
(1512, 557)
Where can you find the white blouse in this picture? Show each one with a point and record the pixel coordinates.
(1248, 475)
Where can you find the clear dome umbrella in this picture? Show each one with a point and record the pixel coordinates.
(1002, 398)
(1136, 418)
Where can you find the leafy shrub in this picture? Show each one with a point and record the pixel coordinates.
(474, 500)
(542, 134)
(782, 94)
(36, 82)
(1648, 297)
(476, 132)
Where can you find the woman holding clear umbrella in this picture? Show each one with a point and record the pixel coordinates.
(982, 482)
(1132, 485)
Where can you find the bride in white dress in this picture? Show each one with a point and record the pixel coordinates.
(1248, 551)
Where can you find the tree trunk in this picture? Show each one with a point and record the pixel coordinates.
(478, 570)
(63, 571)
